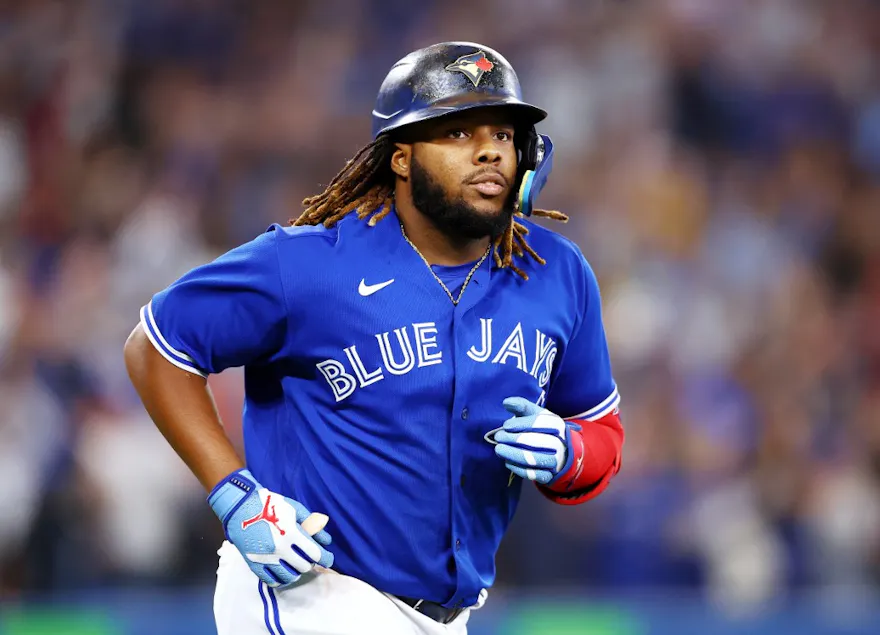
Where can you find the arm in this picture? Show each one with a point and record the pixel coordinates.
(571, 460)
(181, 406)
(228, 313)
(585, 394)
(571, 449)
(593, 458)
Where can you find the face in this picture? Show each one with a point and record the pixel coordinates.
(462, 172)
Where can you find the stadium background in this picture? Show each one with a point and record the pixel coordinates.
(721, 164)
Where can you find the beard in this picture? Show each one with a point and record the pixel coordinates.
(455, 217)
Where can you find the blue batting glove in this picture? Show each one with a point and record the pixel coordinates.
(535, 443)
(265, 528)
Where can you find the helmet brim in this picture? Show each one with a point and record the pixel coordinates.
(523, 112)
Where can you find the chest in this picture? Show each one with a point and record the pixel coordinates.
(394, 336)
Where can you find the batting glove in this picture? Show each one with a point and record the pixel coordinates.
(265, 528)
(535, 443)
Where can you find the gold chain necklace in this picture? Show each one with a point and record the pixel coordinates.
(467, 280)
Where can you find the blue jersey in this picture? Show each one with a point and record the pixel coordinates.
(368, 392)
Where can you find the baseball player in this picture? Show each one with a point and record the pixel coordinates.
(414, 349)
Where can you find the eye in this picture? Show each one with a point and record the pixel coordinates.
(504, 135)
(456, 134)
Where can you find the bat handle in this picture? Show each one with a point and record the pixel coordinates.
(314, 523)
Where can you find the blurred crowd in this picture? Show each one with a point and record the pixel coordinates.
(720, 161)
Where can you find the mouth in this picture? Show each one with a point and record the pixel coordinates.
(489, 184)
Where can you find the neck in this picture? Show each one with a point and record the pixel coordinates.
(438, 247)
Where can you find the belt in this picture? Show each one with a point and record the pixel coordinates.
(436, 612)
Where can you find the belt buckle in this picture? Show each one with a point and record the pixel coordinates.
(448, 614)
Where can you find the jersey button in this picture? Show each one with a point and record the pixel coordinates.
(464, 413)
(457, 545)
(461, 480)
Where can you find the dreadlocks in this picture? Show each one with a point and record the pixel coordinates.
(366, 184)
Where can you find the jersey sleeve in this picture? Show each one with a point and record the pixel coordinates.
(227, 313)
(584, 387)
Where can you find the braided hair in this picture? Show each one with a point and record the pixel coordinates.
(366, 184)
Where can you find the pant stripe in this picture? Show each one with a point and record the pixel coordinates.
(266, 606)
(275, 610)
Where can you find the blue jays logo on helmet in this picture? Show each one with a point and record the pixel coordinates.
(473, 66)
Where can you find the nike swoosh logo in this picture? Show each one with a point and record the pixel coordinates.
(369, 289)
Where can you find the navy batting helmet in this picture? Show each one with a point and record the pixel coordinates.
(450, 77)
(446, 78)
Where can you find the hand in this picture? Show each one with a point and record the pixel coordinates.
(535, 443)
(266, 528)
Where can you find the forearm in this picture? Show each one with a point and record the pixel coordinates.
(181, 406)
(596, 458)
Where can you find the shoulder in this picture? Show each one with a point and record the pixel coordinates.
(302, 233)
(276, 245)
(303, 243)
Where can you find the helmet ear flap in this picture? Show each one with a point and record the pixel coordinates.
(533, 168)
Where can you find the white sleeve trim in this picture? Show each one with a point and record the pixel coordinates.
(181, 360)
(161, 337)
(608, 405)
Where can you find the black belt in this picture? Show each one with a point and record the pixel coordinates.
(436, 612)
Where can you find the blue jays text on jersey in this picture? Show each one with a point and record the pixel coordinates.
(399, 358)
(367, 392)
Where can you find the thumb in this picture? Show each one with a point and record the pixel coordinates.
(521, 407)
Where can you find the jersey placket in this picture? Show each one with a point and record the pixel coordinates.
(463, 392)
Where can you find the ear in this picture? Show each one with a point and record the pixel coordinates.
(401, 159)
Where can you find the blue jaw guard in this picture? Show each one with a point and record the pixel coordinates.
(538, 162)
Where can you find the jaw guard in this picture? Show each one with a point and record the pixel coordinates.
(535, 166)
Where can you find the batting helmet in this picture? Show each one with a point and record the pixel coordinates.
(451, 77)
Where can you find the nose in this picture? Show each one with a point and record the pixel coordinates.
(487, 152)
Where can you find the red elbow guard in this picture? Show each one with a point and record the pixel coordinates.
(596, 458)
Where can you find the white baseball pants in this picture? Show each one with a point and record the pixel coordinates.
(321, 603)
